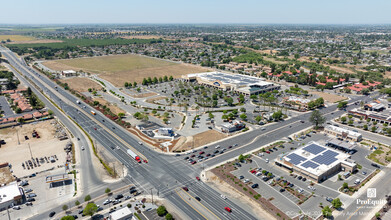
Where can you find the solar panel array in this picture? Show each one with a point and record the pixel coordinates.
(326, 158)
(311, 164)
(295, 159)
(314, 149)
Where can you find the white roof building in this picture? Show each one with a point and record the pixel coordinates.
(10, 194)
(122, 214)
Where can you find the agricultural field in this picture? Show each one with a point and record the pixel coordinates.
(120, 68)
(16, 38)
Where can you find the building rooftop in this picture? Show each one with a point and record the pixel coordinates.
(233, 79)
(314, 158)
(121, 213)
(343, 130)
(9, 192)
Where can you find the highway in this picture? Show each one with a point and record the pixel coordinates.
(161, 173)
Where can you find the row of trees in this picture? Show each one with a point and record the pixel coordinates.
(155, 80)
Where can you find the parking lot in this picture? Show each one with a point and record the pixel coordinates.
(291, 199)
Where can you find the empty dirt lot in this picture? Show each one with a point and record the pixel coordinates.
(199, 140)
(125, 68)
(329, 97)
(114, 108)
(81, 84)
(47, 145)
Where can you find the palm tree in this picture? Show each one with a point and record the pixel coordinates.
(197, 108)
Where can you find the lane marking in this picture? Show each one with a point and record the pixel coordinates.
(190, 205)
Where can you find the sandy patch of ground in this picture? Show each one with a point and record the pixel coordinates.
(199, 140)
(6, 175)
(147, 37)
(81, 84)
(231, 192)
(153, 100)
(143, 95)
(118, 69)
(45, 41)
(329, 97)
(113, 107)
(388, 74)
(47, 145)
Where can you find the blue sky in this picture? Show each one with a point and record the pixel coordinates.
(196, 11)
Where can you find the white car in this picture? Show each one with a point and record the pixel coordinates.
(117, 147)
(82, 148)
(107, 201)
(217, 147)
(140, 143)
(223, 196)
(16, 207)
(246, 181)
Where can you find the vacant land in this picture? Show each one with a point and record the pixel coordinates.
(143, 95)
(31, 42)
(16, 38)
(200, 139)
(120, 68)
(113, 107)
(81, 84)
(17, 153)
(329, 97)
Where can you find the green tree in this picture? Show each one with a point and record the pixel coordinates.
(126, 85)
(161, 211)
(365, 127)
(169, 217)
(121, 114)
(229, 101)
(107, 190)
(50, 112)
(243, 109)
(373, 129)
(64, 207)
(135, 84)
(317, 119)
(90, 209)
(77, 203)
(18, 110)
(87, 198)
(243, 116)
(343, 119)
(241, 157)
(326, 211)
(350, 122)
(171, 78)
(345, 185)
(277, 115)
(336, 203)
(258, 118)
(165, 78)
(68, 217)
(342, 104)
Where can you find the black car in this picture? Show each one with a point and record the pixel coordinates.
(119, 196)
(132, 191)
(31, 200)
(198, 198)
(186, 158)
(217, 151)
(300, 177)
(254, 186)
(282, 190)
(132, 188)
(375, 165)
(304, 179)
(75, 217)
(177, 155)
(52, 214)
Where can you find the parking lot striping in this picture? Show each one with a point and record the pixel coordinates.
(189, 203)
(202, 205)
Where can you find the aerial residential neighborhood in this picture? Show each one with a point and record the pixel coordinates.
(195, 110)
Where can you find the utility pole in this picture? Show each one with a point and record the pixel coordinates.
(152, 195)
(30, 151)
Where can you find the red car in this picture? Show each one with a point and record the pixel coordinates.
(268, 152)
(145, 161)
(198, 178)
(253, 171)
(194, 162)
(193, 155)
(228, 209)
(202, 152)
(185, 188)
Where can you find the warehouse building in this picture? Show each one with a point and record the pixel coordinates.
(343, 133)
(243, 84)
(316, 162)
(122, 214)
(10, 194)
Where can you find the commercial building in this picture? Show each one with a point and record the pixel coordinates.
(10, 194)
(298, 103)
(343, 133)
(243, 84)
(68, 73)
(375, 116)
(232, 126)
(122, 214)
(316, 162)
(166, 132)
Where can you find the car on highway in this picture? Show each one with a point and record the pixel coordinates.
(145, 161)
(228, 209)
(95, 129)
(198, 178)
(185, 188)
(51, 214)
(140, 143)
(197, 198)
(82, 148)
(223, 196)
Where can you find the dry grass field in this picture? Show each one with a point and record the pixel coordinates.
(17, 38)
(120, 68)
(113, 107)
(81, 84)
(329, 97)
